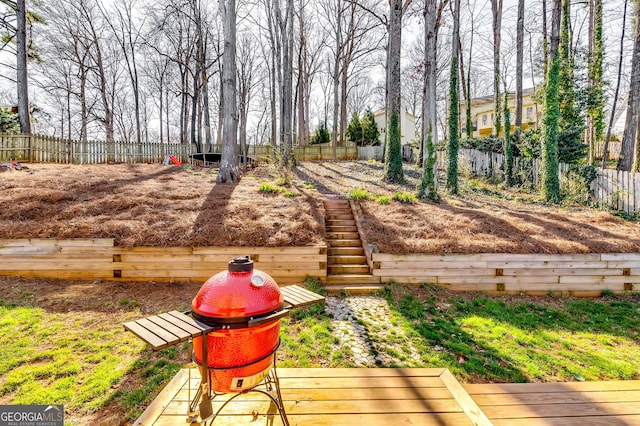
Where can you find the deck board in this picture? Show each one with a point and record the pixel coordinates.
(411, 396)
(571, 403)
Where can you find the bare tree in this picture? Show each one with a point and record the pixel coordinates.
(229, 171)
(496, 9)
(432, 19)
(519, 75)
(629, 153)
(617, 92)
(21, 67)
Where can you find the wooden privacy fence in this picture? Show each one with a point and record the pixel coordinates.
(47, 149)
(100, 259)
(577, 274)
(303, 153)
(611, 188)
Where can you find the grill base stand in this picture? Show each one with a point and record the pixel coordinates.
(201, 409)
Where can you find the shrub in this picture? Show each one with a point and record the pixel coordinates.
(384, 199)
(405, 197)
(267, 188)
(359, 194)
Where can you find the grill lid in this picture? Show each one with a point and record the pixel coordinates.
(237, 295)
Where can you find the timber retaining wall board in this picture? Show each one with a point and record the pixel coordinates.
(578, 274)
(100, 259)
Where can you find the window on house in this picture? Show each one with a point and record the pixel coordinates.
(484, 119)
(529, 113)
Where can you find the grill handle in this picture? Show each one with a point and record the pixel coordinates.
(263, 320)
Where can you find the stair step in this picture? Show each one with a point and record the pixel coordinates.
(345, 243)
(332, 216)
(345, 279)
(342, 269)
(347, 259)
(338, 222)
(346, 251)
(338, 211)
(343, 236)
(337, 204)
(338, 228)
(355, 289)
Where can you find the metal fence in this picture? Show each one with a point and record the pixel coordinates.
(611, 188)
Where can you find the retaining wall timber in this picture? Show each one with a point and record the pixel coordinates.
(576, 274)
(100, 259)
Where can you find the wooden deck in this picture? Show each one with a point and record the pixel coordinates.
(363, 397)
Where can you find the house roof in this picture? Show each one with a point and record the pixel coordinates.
(489, 98)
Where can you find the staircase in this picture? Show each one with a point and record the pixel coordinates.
(347, 268)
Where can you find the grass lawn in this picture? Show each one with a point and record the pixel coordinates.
(103, 375)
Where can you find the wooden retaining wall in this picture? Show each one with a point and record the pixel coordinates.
(100, 259)
(577, 274)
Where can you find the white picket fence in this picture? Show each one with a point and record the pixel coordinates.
(612, 188)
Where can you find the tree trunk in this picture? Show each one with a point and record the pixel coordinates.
(550, 181)
(496, 9)
(302, 81)
(393, 164)
(615, 96)
(519, 75)
(21, 67)
(454, 105)
(229, 172)
(429, 102)
(630, 138)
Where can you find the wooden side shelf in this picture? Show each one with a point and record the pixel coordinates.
(168, 329)
(296, 296)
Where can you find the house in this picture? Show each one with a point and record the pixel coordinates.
(483, 114)
(407, 125)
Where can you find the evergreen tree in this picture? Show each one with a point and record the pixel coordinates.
(354, 130)
(370, 132)
(321, 136)
(9, 122)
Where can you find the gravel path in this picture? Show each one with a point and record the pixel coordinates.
(363, 323)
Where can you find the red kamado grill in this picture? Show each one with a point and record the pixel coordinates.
(244, 306)
(234, 327)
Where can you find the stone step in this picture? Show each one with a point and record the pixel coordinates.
(353, 289)
(342, 269)
(345, 243)
(338, 222)
(339, 228)
(343, 236)
(347, 259)
(351, 279)
(346, 251)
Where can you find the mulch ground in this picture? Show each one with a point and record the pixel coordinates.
(154, 205)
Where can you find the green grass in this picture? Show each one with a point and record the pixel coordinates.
(79, 359)
(84, 359)
(519, 340)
